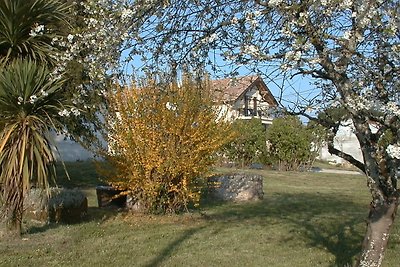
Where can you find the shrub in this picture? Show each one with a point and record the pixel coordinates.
(248, 146)
(162, 142)
(292, 145)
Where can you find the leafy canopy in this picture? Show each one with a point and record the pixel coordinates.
(292, 145)
(249, 143)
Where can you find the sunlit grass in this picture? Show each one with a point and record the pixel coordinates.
(305, 219)
(81, 173)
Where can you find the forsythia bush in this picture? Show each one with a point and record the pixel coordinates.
(162, 141)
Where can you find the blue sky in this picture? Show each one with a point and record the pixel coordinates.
(283, 88)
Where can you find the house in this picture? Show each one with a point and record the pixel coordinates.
(245, 98)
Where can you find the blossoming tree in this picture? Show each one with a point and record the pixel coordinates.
(349, 50)
(51, 67)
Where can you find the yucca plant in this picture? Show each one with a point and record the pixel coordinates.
(27, 28)
(30, 105)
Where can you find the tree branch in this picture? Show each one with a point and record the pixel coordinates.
(345, 156)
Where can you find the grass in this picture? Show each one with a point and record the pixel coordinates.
(81, 174)
(326, 165)
(305, 219)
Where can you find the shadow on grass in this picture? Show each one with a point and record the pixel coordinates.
(99, 215)
(167, 251)
(326, 221)
(341, 239)
(40, 229)
(94, 214)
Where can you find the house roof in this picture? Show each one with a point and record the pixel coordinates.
(232, 89)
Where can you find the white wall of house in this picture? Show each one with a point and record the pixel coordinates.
(345, 141)
(227, 112)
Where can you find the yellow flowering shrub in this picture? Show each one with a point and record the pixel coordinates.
(162, 142)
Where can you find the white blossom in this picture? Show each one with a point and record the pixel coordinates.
(209, 39)
(44, 93)
(213, 37)
(170, 106)
(54, 40)
(391, 107)
(293, 55)
(234, 20)
(302, 21)
(393, 151)
(314, 61)
(274, 3)
(70, 37)
(92, 22)
(346, 3)
(75, 111)
(285, 67)
(347, 35)
(253, 23)
(64, 113)
(32, 99)
(257, 13)
(37, 30)
(20, 100)
(251, 50)
(126, 13)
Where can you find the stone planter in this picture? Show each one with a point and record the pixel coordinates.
(236, 187)
(61, 206)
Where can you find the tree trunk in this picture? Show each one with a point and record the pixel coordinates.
(14, 224)
(379, 223)
(13, 206)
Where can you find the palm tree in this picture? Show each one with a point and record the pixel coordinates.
(27, 28)
(30, 106)
(30, 99)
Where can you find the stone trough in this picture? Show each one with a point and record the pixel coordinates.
(60, 206)
(236, 187)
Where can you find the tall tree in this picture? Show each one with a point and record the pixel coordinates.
(39, 44)
(31, 99)
(349, 50)
(31, 103)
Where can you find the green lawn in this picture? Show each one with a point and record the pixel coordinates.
(305, 219)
